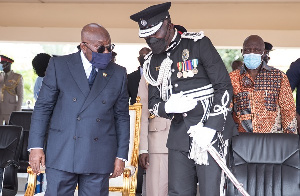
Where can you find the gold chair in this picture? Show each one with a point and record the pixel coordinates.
(125, 184)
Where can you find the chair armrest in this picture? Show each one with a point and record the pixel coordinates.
(129, 171)
(12, 162)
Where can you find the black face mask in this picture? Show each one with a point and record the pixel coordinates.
(141, 60)
(157, 45)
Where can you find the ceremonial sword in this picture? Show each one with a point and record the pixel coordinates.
(216, 156)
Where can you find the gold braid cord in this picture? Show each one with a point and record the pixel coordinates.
(11, 89)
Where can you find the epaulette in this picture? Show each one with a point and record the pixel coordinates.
(193, 35)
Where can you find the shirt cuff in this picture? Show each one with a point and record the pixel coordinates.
(121, 159)
(143, 151)
(34, 148)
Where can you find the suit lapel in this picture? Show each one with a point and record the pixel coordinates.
(77, 71)
(100, 83)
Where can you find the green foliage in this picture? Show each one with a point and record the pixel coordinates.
(29, 78)
(23, 53)
(230, 55)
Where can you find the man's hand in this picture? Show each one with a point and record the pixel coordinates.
(179, 103)
(119, 168)
(144, 160)
(36, 158)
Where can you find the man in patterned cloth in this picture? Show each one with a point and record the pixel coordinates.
(262, 96)
(189, 84)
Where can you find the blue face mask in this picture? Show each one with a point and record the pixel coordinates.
(252, 61)
(101, 60)
(1, 67)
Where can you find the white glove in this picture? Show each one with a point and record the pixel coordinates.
(178, 103)
(201, 139)
(202, 136)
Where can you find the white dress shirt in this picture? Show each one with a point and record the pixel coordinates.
(86, 65)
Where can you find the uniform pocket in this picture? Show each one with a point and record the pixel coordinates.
(157, 124)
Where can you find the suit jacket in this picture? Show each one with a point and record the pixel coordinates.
(11, 92)
(154, 132)
(88, 129)
(133, 84)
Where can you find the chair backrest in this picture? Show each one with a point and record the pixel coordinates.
(10, 137)
(266, 164)
(116, 184)
(23, 119)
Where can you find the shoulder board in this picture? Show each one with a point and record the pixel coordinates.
(193, 35)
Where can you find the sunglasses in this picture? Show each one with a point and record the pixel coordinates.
(102, 48)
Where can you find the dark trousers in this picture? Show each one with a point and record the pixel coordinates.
(61, 183)
(184, 174)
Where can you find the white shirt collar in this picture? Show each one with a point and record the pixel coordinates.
(86, 65)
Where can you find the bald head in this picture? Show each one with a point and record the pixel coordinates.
(253, 44)
(144, 51)
(92, 37)
(94, 32)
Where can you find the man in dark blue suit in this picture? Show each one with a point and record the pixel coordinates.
(84, 101)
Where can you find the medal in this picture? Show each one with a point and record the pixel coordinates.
(179, 74)
(195, 71)
(180, 67)
(190, 73)
(195, 64)
(184, 74)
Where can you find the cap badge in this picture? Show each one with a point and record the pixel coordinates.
(143, 23)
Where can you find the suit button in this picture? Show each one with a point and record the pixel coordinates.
(74, 99)
(184, 114)
(98, 119)
(96, 139)
(104, 102)
(176, 85)
(74, 137)
(78, 118)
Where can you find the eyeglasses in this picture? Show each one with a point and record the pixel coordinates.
(102, 48)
